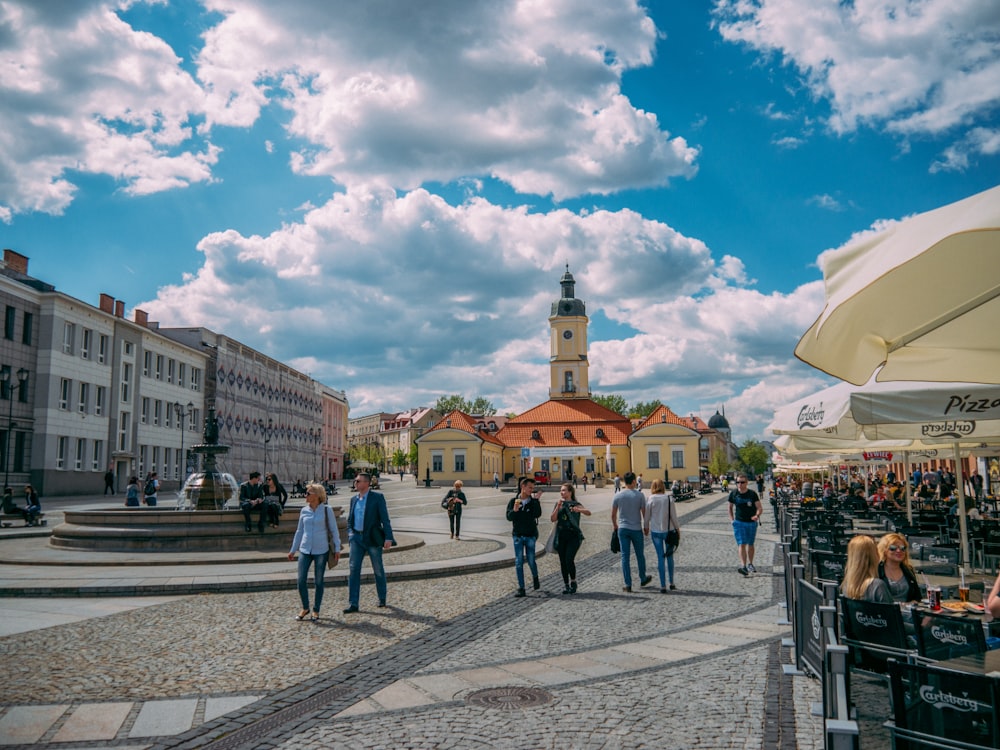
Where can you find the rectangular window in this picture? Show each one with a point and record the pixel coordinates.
(167, 420)
(8, 324)
(98, 456)
(61, 446)
(5, 384)
(69, 336)
(653, 458)
(144, 411)
(29, 321)
(65, 386)
(168, 470)
(611, 465)
(123, 441)
(194, 419)
(159, 367)
(677, 456)
(147, 364)
(195, 379)
(459, 461)
(437, 461)
(170, 370)
(86, 343)
(126, 381)
(589, 468)
(126, 348)
(99, 401)
(22, 392)
(102, 349)
(156, 459)
(181, 374)
(81, 451)
(143, 460)
(157, 412)
(82, 404)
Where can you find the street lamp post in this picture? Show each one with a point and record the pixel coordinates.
(266, 432)
(22, 378)
(182, 415)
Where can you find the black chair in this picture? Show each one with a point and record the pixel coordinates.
(874, 632)
(827, 566)
(939, 708)
(941, 636)
(941, 561)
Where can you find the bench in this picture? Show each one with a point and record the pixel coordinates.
(7, 519)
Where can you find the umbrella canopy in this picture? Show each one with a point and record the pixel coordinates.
(921, 298)
(926, 414)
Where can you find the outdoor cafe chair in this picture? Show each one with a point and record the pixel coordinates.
(827, 566)
(939, 708)
(941, 636)
(873, 633)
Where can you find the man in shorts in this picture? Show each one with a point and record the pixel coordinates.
(745, 511)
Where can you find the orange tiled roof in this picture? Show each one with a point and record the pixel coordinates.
(582, 417)
(663, 414)
(459, 420)
(695, 423)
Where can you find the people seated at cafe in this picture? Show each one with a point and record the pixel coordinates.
(896, 569)
(861, 579)
(926, 492)
(878, 498)
(856, 501)
(896, 498)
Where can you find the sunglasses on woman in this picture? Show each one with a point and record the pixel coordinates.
(896, 548)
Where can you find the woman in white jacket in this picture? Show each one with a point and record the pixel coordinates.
(661, 517)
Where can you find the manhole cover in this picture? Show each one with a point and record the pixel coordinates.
(510, 698)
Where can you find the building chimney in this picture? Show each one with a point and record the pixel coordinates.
(107, 303)
(141, 317)
(119, 308)
(15, 261)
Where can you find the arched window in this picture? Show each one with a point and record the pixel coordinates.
(568, 382)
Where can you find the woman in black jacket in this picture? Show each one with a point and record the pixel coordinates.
(453, 503)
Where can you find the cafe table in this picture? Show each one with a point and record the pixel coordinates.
(986, 663)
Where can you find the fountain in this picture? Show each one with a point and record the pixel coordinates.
(206, 518)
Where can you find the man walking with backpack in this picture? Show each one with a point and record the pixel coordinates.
(150, 488)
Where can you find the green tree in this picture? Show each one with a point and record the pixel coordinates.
(753, 457)
(478, 406)
(613, 401)
(643, 409)
(398, 458)
(718, 464)
(412, 456)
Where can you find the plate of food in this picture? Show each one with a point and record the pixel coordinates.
(975, 608)
(953, 608)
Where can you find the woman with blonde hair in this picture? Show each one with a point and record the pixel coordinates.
(317, 527)
(661, 515)
(896, 569)
(861, 579)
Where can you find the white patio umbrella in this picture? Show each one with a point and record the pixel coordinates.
(921, 298)
(929, 415)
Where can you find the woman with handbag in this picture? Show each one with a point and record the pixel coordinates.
(275, 497)
(315, 537)
(453, 503)
(661, 515)
(566, 517)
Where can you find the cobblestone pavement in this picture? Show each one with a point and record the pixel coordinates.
(698, 668)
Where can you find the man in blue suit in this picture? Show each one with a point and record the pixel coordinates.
(368, 533)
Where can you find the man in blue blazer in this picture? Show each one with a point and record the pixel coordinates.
(368, 533)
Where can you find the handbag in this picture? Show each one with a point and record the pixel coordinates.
(616, 545)
(673, 538)
(550, 543)
(331, 561)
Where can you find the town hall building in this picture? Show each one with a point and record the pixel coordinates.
(569, 434)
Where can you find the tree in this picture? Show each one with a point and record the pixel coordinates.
(480, 406)
(753, 457)
(613, 401)
(411, 456)
(398, 458)
(644, 409)
(718, 464)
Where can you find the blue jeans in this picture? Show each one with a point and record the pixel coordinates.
(659, 544)
(633, 538)
(524, 547)
(358, 551)
(304, 562)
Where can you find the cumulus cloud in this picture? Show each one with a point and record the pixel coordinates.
(914, 69)
(528, 93)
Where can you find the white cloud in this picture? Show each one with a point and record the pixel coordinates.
(912, 68)
(826, 201)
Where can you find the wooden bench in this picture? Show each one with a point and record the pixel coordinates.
(7, 519)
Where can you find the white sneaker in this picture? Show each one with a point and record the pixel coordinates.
(751, 568)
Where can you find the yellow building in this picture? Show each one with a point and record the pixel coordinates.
(569, 434)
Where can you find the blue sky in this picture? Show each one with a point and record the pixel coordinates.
(385, 194)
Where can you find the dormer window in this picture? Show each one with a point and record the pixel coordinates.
(567, 434)
(600, 432)
(535, 435)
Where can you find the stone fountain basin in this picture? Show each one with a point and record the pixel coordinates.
(168, 530)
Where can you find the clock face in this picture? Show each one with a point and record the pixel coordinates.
(567, 335)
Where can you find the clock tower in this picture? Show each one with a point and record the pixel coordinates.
(568, 342)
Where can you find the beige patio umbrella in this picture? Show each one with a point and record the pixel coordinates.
(920, 297)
